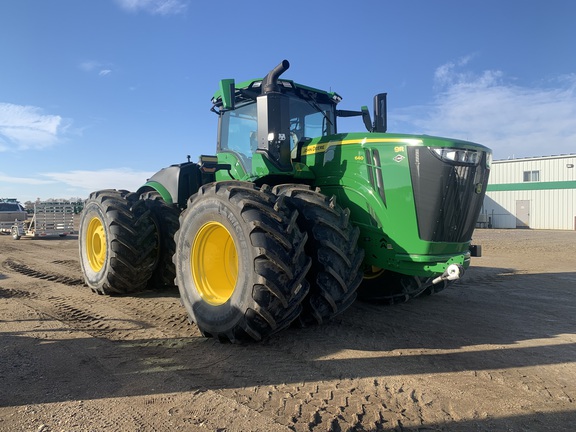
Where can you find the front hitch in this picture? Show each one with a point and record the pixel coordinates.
(453, 272)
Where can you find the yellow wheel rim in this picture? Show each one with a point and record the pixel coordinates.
(214, 263)
(96, 244)
(373, 273)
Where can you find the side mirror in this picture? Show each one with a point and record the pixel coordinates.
(228, 90)
(380, 115)
(366, 118)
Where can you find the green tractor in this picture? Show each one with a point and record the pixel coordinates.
(292, 219)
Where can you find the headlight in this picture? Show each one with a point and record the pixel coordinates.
(456, 155)
(488, 160)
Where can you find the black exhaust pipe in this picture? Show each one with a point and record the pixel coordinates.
(270, 81)
(274, 120)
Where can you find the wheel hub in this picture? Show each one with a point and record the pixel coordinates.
(96, 244)
(214, 263)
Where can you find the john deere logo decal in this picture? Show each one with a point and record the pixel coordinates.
(399, 158)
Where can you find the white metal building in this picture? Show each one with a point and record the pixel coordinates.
(537, 192)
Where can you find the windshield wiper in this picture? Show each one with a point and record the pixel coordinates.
(314, 105)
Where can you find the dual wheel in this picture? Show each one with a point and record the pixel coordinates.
(118, 243)
(248, 261)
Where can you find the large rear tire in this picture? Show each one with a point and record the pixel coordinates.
(333, 246)
(240, 262)
(166, 222)
(117, 242)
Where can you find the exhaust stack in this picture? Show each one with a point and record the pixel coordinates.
(274, 120)
(270, 81)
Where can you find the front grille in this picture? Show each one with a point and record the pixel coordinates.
(448, 194)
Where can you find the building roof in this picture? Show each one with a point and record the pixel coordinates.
(532, 158)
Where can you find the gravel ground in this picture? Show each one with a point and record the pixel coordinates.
(494, 352)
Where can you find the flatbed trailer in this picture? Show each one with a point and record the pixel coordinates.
(49, 219)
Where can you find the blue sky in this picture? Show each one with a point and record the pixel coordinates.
(102, 94)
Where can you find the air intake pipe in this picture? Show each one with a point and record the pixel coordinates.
(270, 81)
(274, 121)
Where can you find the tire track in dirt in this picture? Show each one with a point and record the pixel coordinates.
(69, 303)
(79, 313)
(322, 396)
(15, 293)
(51, 277)
(162, 310)
(72, 264)
(351, 404)
(92, 323)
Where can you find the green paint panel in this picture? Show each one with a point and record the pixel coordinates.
(158, 187)
(370, 175)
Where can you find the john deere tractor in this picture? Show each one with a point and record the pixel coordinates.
(292, 219)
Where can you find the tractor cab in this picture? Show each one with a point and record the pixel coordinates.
(309, 113)
(264, 122)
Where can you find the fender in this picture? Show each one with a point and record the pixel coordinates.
(177, 183)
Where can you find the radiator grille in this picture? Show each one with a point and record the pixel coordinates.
(448, 194)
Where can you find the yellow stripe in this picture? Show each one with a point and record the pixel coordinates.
(321, 148)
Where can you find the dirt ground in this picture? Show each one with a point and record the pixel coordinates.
(494, 352)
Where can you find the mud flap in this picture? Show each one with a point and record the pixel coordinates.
(476, 250)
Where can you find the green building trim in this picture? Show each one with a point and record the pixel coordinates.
(571, 184)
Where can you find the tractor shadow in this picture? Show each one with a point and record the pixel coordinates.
(494, 319)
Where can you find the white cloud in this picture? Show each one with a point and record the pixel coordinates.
(111, 178)
(4, 178)
(514, 121)
(79, 183)
(95, 66)
(72, 183)
(447, 73)
(154, 7)
(26, 127)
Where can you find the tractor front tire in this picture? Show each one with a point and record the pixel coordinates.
(117, 242)
(240, 262)
(332, 245)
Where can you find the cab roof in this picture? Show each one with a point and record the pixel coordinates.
(249, 90)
